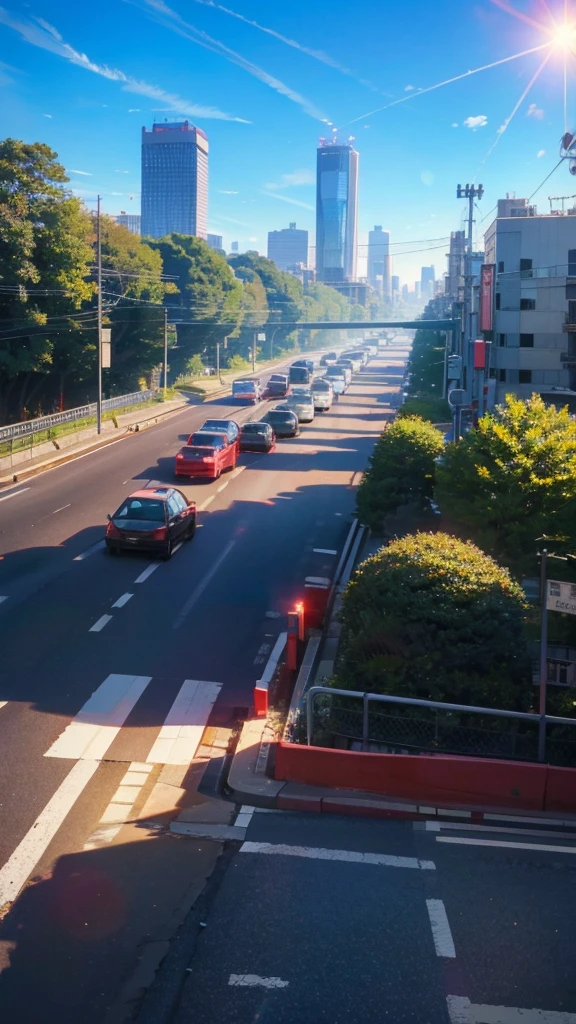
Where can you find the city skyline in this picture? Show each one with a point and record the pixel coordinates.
(77, 85)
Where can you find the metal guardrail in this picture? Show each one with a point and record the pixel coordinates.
(442, 728)
(28, 427)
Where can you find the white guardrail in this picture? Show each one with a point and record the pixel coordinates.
(29, 427)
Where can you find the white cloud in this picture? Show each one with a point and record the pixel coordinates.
(49, 116)
(286, 199)
(534, 111)
(121, 172)
(230, 220)
(85, 174)
(302, 177)
(502, 128)
(367, 126)
(541, 152)
(252, 239)
(427, 178)
(46, 37)
(479, 121)
(408, 88)
(227, 192)
(454, 124)
(134, 110)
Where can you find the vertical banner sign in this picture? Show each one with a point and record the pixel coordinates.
(479, 355)
(106, 336)
(486, 296)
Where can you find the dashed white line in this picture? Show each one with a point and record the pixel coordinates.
(462, 1011)
(62, 508)
(122, 600)
(205, 504)
(99, 625)
(222, 486)
(350, 856)
(443, 941)
(244, 816)
(147, 572)
(324, 551)
(254, 980)
(196, 594)
(506, 845)
(14, 494)
(90, 551)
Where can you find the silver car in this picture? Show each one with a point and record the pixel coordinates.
(302, 403)
(322, 393)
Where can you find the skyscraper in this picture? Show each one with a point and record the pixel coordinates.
(215, 241)
(427, 278)
(288, 247)
(336, 212)
(379, 261)
(174, 180)
(129, 220)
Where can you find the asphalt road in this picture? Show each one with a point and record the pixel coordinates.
(104, 660)
(351, 921)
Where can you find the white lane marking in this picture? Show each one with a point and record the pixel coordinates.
(120, 807)
(3, 703)
(196, 594)
(222, 486)
(99, 721)
(14, 494)
(180, 736)
(90, 551)
(3, 599)
(122, 600)
(17, 868)
(147, 572)
(448, 826)
(244, 816)
(351, 856)
(506, 845)
(204, 505)
(453, 814)
(443, 941)
(177, 547)
(254, 980)
(462, 1011)
(324, 551)
(526, 821)
(102, 621)
(62, 509)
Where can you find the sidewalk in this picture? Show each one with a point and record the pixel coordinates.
(69, 446)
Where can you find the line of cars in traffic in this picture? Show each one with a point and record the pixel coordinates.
(156, 519)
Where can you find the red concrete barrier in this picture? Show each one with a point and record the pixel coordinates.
(424, 778)
(560, 790)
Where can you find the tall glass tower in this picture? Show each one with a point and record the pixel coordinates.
(336, 211)
(174, 180)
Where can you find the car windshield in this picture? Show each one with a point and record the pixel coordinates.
(149, 509)
(241, 385)
(279, 417)
(207, 440)
(301, 392)
(217, 425)
(277, 378)
(254, 428)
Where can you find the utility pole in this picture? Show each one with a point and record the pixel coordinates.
(99, 319)
(254, 354)
(543, 655)
(165, 352)
(218, 359)
(469, 192)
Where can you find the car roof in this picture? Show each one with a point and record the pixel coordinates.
(215, 419)
(255, 423)
(160, 493)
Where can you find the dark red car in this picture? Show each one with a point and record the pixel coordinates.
(206, 454)
(153, 519)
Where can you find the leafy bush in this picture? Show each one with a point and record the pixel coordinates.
(238, 363)
(401, 470)
(433, 617)
(429, 407)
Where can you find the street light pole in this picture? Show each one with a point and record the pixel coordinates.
(165, 352)
(543, 655)
(254, 354)
(218, 359)
(99, 319)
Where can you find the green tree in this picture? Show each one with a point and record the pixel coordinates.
(513, 480)
(430, 407)
(426, 363)
(400, 471)
(430, 616)
(45, 257)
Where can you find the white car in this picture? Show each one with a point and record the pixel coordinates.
(322, 393)
(302, 403)
(337, 377)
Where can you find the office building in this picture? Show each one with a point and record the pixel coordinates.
(174, 180)
(427, 279)
(336, 211)
(534, 305)
(214, 241)
(379, 261)
(395, 283)
(234, 247)
(129, 220)
(417, 289)
(455, 277)
(512, 207)
(288, 247)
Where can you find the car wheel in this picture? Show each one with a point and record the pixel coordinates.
(191, 530)
(167, 552)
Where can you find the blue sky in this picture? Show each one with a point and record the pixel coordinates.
(85, 78)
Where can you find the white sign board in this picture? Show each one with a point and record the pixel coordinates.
(561, 597)
(454, 367)
(261, 337)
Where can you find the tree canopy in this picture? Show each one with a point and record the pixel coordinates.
(430, 616)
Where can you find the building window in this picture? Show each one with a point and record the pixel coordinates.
(502, 376)
(501, 267)
(527, 303)
(502, 340)
(497, 300)
(571, 262)
(525, 265)
(524, 376)
(492, 372)
(526, 341)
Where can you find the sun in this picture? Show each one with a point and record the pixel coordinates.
(563, 37)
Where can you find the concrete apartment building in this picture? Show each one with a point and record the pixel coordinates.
(534, 335)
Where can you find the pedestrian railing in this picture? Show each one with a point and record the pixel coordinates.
(405, 724)
(29, 428)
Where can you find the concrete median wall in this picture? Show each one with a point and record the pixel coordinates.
(430, 778)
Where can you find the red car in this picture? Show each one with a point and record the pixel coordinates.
(206, 454)
(153, 519)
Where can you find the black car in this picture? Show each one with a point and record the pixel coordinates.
(153, 519)
(278, 385)
(257, 437)
(228, 427)
(284, 422)
(330, 357)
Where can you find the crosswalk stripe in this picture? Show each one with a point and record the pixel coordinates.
(184, 725)
(99, 721)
